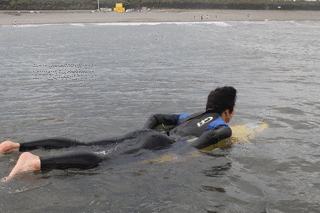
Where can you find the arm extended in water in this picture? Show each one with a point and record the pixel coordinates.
(159, 119)
(212, 137)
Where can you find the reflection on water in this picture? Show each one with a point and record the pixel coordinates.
(217, 171)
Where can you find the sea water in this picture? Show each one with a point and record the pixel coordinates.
(93, 81)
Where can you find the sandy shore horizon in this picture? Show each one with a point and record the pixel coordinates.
(164, 15)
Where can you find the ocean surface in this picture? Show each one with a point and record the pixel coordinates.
(94, 81)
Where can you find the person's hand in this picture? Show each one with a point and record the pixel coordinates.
(8, 146)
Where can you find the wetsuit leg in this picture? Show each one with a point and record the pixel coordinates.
(78, 160)
(128, 136)
(156, 141)
(58, 143)
(144, 139)
(51, 143)
(151, 140)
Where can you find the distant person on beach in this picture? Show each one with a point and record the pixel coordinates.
(200, 130)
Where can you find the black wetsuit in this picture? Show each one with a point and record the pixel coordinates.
(205, 128)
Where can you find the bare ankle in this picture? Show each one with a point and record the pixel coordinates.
(27, 163)
(8, 146)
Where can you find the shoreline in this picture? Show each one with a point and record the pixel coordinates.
(156, 15)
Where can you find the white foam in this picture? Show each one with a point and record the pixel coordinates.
(26, 25)
(129, 24)
(77, 24)
(30, 25)
(222, 24)
(217, 23)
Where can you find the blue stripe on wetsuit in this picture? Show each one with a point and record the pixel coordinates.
(214, 124)
(182, 116)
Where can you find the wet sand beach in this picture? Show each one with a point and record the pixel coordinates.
(164, 15)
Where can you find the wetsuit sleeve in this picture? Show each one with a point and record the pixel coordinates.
(212, 137)
(158, 119)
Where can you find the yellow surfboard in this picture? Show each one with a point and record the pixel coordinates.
(240, 134)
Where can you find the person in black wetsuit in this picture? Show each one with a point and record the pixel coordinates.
(200, 130)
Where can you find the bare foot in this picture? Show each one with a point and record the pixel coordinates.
(27, 163)
(8, 146)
